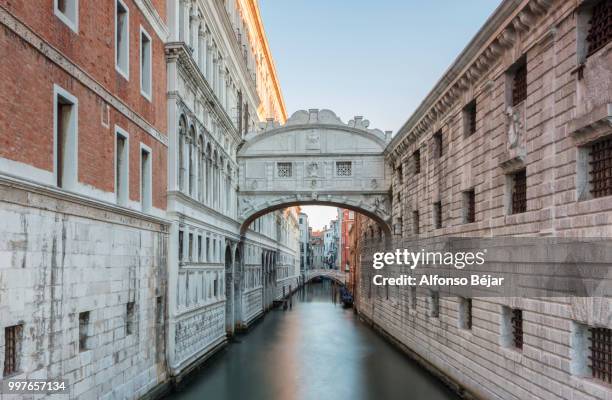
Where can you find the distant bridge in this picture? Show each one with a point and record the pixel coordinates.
(336, 275)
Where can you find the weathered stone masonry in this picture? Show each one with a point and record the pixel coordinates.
(491, 138)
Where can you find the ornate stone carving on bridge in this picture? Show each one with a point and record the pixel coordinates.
(314, 158)
(315, 116)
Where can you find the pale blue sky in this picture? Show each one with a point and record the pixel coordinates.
(376, 58)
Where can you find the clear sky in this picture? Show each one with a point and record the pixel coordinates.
(376, 58)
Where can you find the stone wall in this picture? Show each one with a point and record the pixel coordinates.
(549, 135)
(63, 257)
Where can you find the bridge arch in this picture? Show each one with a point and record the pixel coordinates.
(315, 159)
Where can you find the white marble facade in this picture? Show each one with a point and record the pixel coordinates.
(218, 279)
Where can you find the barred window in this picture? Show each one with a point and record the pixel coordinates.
(434, 304)
(469, 116)
(600, 163)
(83, 330)
(519, 192)
(415, 222)
(601, 353)
(517, 328)
(129, 318)
(600, 26)
(344, 168)
(284, 169)
(519, 84)
(469, 206)
(437, 215)
(12, 337)
(417, 161)
(438, 144)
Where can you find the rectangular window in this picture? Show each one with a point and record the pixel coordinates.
(122, 38)
(400, 174)
(413, 297)
(438, 144)
(517, 328)
(207, 250)
(601, 353)
(469, 119)
(344, 168)
(469, 206)
(600, 33)
(12, 348)
(66, 138)
(416, 156)
(600, 168)
(434, 303)
(512, 327)
(180, 245)
(519, 83)
(68, 12)
(519, 192)
(145, 180)
(284, 169)
(415, 222)
(145, 64)
(129, 318)
(121, 167)
(465, 313)
(200, 248)
(190, 249)
(84, 332)
(437, 215)
(216, 286)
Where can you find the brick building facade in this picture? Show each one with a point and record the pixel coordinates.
(124, 265)
(83, 166)
(512, 141)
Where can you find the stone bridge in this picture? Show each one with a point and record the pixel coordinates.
(314, 158)
(338, 276)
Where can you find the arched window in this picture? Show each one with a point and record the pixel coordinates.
(192, 143)
(208, 182)
(181, 150)
(229, 191)
(201, 167)
(215, 179)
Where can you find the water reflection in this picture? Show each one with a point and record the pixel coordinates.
(315, 350)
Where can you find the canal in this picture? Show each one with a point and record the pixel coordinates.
(316, 350)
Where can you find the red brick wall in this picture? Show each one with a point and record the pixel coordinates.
(26, 104)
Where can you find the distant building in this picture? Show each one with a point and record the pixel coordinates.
(330, 245)
(318, 249)
(346, 219)
(305, 248)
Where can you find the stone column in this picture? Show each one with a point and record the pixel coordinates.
(202, 48)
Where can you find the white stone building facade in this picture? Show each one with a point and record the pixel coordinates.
(219, 278)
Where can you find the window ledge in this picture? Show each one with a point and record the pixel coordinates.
(591, 125)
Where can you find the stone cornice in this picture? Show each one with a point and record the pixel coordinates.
(499, 33)
(183, 55)
(236, 50)
(31, 194)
